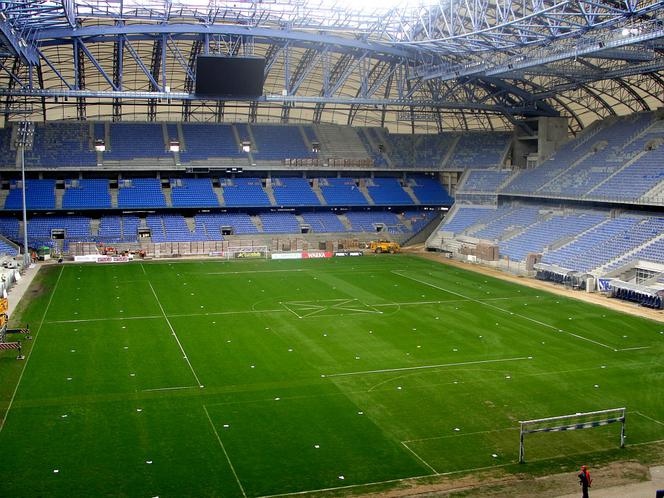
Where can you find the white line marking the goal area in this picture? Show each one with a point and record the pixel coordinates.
(330, 307)
(428, 367)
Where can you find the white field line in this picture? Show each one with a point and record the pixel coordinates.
(396, 272)
(143, 268)
(251, 271)
(177, 315)
(634, 349)
(215, 313)
(110, 319)
(175, 335)
(650, 418)
(449, 301)
(404, 479)
(223, 448)
(425, 367)
(34, 343)
(458, 435)
(170, 388)
(426, 464)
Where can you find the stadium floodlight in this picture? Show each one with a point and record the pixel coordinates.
(24, 136)
(576, 421)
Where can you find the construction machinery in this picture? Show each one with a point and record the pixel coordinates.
(381, 246)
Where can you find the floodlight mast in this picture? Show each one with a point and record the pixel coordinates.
(25, 131)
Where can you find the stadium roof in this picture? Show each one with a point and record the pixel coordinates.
(427, 65)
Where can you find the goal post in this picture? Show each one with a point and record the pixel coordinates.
(576, 421)
(247, 252)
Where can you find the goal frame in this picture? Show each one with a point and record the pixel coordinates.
(232, 252)
(600, 418)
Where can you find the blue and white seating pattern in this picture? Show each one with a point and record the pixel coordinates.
(39, 194)
(86, 194)
(542, 234)
(280, 223)
(240, 223)
(429, 191)
(370, 221)
(245, 192)
(387, 192)
(140, 193)
(205, 141)
(485, 180)
(61, 144)
(294, 192)
(193, 192)
(324, 222)
(279, 142)
(342, 192)
(135, 140)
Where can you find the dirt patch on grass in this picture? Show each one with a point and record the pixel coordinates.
(497, 484)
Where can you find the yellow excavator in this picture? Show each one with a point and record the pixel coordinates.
(380, 246)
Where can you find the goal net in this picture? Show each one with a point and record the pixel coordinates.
(576, 421)
(247, 252)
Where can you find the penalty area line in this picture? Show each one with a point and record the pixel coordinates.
(170, 388)
(426, 367)
(426, 464)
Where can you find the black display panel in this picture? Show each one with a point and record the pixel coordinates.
(218, 76)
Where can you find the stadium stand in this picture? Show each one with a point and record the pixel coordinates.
(86, 194)
(75, 227)
(61, 144)
(463, 217)
(39, 194)
(418, 219)
(245, 192)
(214, 223)
(294, 192)
(280, 223)
(7, 249)
(479, 150)
(193, 192)
(135, 140)
(653, 252)
(387, 192)
(429, 191)
(10, 227)
(506, 220)
(606, 242)
(274, 142)
(140, 193)
(171, 228)
(206, 141)
(484, 181)
(537, 237)
(374, 221)
(342, 192)
(324, 222)
(116, 229)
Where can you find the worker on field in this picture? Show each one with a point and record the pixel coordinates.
(585, 480)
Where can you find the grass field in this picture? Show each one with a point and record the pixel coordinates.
(264, 378)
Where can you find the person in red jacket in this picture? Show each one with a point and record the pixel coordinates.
(585, 480)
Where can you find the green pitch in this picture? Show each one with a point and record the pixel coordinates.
(263, 378)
